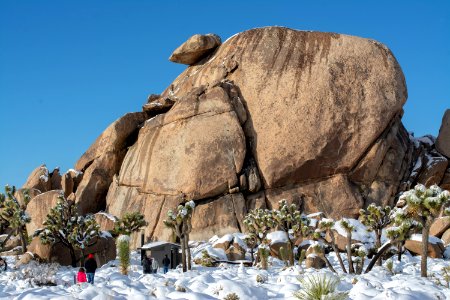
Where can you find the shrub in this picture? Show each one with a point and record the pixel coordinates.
(320, 286)
(231, 296)
(37, 274)
(123, 250)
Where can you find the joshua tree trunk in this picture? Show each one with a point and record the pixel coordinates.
(336, 250)
(183, 253)
(423, 263)
(399, 252)
(22, 240)
(329, 264)
(377, 256)
(378, 244)
(290, 250)
(73, 258)
(351, 270)
(188, 252)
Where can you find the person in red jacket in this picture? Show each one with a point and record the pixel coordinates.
(81, 276)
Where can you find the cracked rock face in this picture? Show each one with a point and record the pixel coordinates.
(274, 113)
(271, 114)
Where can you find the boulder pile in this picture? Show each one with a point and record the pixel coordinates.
(271, 113)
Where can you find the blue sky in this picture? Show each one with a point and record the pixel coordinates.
(70, 68)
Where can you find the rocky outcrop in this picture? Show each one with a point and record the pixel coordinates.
(271, 113)
(103, 248)
(443, 139)
(103, 159)
(39, 179)
(20, 196)
(39, 207)
(196, 47)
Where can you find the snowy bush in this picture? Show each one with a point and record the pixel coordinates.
(64, 225)
(37, 274)
(231, 296)
(14, 216)
(129, 223)
(123, 251)
(319, 287)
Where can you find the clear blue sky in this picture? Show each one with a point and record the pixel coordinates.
(70, 68)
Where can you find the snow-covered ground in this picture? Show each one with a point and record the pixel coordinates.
(217, 282)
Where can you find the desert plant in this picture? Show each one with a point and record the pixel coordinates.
(64, 225)
(424, 205)
(13, 215)
(231, 296)
(123, 252)
(206, 260)
(326, 227)
(289, 219)
(37, 274)
(361, 253)
(376, 218)
(390, 266)
(251, 243)
(446, 275)
(320, 286)
(263, 254)
(402, 228)
(180, 221)
(301, 257)
(129, 223)
(348, 229)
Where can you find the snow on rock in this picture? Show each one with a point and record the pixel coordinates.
(276, 237)
(431, 239)
(359, 232)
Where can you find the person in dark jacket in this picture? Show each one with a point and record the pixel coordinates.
(147, 265)
(166, 264)
(90, 265)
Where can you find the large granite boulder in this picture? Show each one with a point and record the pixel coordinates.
(196, 47)
(443, 139)
(273, 113)
(289, 78)
(39, 207)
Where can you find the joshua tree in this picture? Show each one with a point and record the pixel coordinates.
(348, 229)
(326, 227)
(402, 228)
(376, 218)
(13, 215)
(288, 218)
(129, 223)
(258, 223)
(64, 225)
(424, 205)
(180, 222)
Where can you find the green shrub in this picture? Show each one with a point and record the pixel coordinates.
(123, 251)
(320, 286)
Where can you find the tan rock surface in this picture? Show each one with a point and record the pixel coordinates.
(39, 207)
(196, 47)
(197, 148)
(20, 194)
(218, 217)
(443, 139)
(434, 250)
(104, 250)
(434, 169)
(439, 226)
(39, 179)
(105, 220)
(287, 78)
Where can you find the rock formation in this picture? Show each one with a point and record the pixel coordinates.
(272, 113)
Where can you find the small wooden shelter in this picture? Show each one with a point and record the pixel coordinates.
(157, 250)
